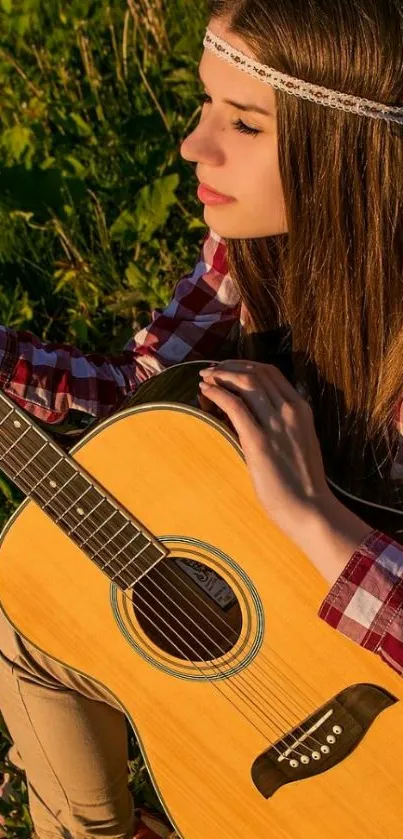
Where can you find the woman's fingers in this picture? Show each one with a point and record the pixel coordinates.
(213, 409)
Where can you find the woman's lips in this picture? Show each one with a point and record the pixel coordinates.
(209, 196)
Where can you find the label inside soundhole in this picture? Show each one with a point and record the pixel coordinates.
(210, 582)
(186, 609)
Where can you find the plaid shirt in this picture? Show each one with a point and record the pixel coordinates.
(49, 380)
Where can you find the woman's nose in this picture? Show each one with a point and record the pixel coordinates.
(200, 146)
(185, 148)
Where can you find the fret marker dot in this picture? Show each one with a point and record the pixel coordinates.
(80, 511)
(17, 424)
(53, 484)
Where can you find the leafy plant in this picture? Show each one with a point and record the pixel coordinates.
(98, 212)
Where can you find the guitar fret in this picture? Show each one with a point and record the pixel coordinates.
(92, 525)
(102, 549)
(72, 519)
(60, 490)
(47, 473)
(7, 452)
(105, 524)
(7, 416)
(76, 500)
(100, 528)
(124, 547)
(83, 519)
(145, 572)
(30, 460)
(133, 539)
(136, 556)
(105, 531)
(111, 561)
(60, 473)
(7, 461)
(110, 540)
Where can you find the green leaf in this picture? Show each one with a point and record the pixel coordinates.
(133, 275)
(82, 126)
(7, 6)
(20, 214)
(124, 229)
(181, 75)
(196, 222)
(153, 205)
(47, 163)
(27, 816)
(25, 310)
(65, 277)
(76, 166)
(19, 144)
(79, 328)
(5, 489)
(151, 212)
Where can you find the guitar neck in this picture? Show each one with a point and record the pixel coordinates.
(82, 508)
(89, 516)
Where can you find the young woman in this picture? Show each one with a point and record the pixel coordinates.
(298, 295)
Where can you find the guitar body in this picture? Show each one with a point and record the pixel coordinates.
(203, 717)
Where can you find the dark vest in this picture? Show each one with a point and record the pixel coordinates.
(264, 347)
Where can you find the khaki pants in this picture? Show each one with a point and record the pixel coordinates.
(70, 740)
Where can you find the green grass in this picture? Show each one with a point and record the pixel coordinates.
(98, 213)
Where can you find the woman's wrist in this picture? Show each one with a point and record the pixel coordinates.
(330, 535)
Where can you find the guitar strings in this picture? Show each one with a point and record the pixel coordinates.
(160, 616)
(77, 472)
(172, 601)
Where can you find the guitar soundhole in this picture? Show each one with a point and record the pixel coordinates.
(191, 614)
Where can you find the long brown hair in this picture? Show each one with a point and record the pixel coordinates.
(335, 280)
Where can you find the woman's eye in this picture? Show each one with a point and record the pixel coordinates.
(238, 124)
(246, 129)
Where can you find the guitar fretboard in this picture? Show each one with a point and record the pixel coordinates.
(105, 531)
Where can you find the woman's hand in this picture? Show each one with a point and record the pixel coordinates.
(277, 435)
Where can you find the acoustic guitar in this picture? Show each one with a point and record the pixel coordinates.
(143, 559)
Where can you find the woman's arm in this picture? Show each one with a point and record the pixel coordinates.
(365, 569)
(49, 379)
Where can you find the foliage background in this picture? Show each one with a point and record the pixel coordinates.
(98, 212)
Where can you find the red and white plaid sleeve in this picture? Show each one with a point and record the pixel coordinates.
(366, 601)
(49, 379)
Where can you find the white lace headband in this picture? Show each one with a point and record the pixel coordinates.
(297, 87)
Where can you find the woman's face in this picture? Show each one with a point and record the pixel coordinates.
(239, 164)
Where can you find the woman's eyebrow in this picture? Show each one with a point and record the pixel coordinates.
(238, 105)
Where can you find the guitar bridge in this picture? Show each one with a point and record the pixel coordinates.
(322, 740)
